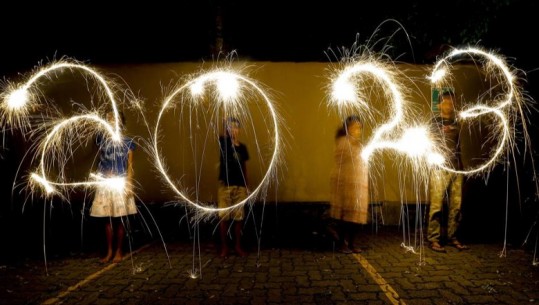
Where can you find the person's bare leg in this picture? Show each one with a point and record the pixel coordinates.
(344, 237)
(353, 229)
(223, 229)
(108, 233)
(237, 236)
(120, 233)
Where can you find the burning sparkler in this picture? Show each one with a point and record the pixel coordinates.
(65, 135)
(505, 107)
(202, 103)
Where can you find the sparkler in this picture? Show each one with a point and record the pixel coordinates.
(52, 149)
(502, 106)
(225, 93)
(20, 101)
(365, 78)
(59, 139)
(398, 132)
(350, 89)
(414, 140)
(507, 107)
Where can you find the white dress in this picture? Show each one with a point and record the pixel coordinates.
(110, 201)
(349, 197)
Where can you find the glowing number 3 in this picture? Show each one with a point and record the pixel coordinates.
(500, 105)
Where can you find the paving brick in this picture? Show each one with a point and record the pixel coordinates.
(283, 276)
(480, 299)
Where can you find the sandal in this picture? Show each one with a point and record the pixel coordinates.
(345, 250)
(458, 245)
(356, 250)
(436, 247)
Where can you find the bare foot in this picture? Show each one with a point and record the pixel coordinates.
(107, 258)
(224, 252)
(435, 246)
(356, 249)
(344, 249)
(117, 258)
(455, 243)
(240, 252)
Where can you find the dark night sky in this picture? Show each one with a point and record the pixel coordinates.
(259, 30)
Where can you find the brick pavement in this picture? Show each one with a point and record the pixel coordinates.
(385, 273)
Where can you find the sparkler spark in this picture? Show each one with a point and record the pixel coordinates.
(117, 184)
(396, 133)
(226, 93)
(54, 148)
(366, 80)
(414, 141)
(57, 140)
(504, 106)
(19, 100)
(403, 132)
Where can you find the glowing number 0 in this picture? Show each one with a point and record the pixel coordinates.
(228, 85)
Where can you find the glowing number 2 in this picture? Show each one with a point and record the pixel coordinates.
(19, 100)
(345, 96)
